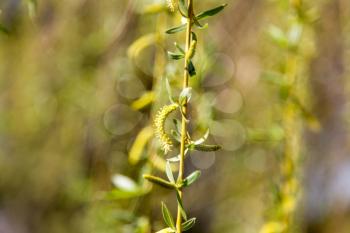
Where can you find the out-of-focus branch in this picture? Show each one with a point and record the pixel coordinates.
(119, 34)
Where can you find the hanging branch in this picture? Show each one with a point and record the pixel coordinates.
(181, 134)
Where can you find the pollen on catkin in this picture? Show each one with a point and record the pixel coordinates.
(159, 125)
(172, 4)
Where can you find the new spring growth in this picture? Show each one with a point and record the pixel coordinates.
(159, 125)
(192, 50)
(181, 133)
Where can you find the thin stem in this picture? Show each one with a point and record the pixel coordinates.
(184, 109)
(291, 124)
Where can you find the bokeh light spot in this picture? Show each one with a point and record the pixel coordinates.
(202, 160)
(229, 101)
(120, 119)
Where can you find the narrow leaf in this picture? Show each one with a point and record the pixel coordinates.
(206, 148)
(176, 135)
(194, 36)
(168, 88)
(184, 115)
(158, 162)
(169, 173)
(210, 12)
(176, 158)
(202, 139)
(191, 178)
(180, 205)
(188, 224)
(183, 8)
(168, 219)
(177, 124)
(197, 23)
(159, 181)
(180, 48)
(175, 56)
(191, 69)
(185, 95)
(176, 29)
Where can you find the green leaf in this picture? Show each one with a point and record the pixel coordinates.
(185, 95)
(202, 139)
(168, 219)
(191, 178)
(177, 124)
(175, 56)
(159, 181)
(176, 29)
(188, 224)
(183, 8)
(169, 173)
(197, 23)
(194, 36)
(200, 16)
(180, 205)
(176, 158)
(180, 48)
(204, 147)
(176, 135)
(191, 69)
(168, 88)
(210, 12)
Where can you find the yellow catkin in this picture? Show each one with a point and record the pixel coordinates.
(139, 144)
(172, 4)
(159, 125)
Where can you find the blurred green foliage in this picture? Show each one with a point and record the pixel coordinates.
(76, 90)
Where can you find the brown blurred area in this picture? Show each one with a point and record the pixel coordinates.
(66, 122)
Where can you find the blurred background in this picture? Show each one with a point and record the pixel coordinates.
(80, 79)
